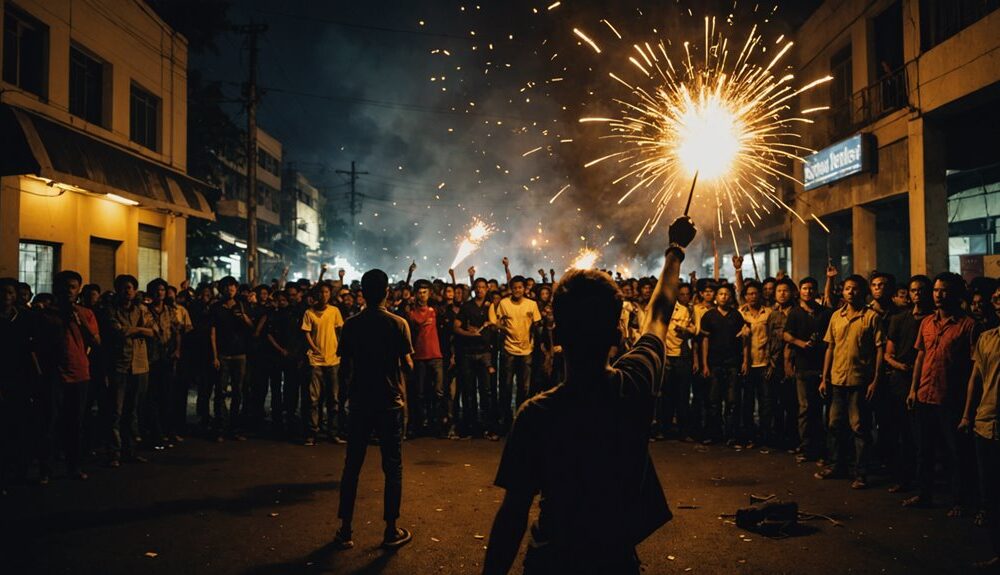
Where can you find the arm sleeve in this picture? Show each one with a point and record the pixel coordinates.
(306, 321)
(828, 338)
(338, 318)
(517, 470)
(641, 367)
(919, 343)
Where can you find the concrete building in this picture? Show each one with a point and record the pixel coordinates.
(231, 208)
(907, 177)
(300, 235)
(93, 120)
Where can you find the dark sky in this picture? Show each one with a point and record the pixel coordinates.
(441, 101)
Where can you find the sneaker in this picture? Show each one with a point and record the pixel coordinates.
(396, 540)
(859, 483)
(338, 440)
(491, 436)
(309, 442)
(343, 540)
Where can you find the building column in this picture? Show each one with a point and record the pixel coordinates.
(10, 225)
(928, 199)
(865, 250)
(800, 249)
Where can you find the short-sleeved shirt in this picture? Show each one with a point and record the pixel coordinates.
(66, 343)
(725, 347)
(758, 333)
(775, 329)
(471, 316)
(129, 354)
(856, 342)
(232, 334)
(947, 347)
(676, 345)
(986, 364)
(518, 318)
(903, 330)
(446, 315)
(375, 341)
(322, 326)
(426, 344)
(583, 445)
(700, 309)
(809, 326)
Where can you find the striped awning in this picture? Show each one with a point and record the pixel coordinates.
(57, 152)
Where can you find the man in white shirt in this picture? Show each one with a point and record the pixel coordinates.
(516, 317)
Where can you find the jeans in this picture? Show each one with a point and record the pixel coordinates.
(429, 401)
(478, 395)
(722, 384)
(511, 367)
(937, 425)
(675, 395)
(811, 437)
(755, 390)
(124, 391)
(850, 421)
(232, 384)
(324, 387)
(388, 426)
(63, 406)
(988, 458)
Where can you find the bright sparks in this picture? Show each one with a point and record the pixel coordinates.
(723, 116)
(585, 260)
(478, 232)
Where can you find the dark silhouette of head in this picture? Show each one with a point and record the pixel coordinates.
(375, 286)
(586, 305)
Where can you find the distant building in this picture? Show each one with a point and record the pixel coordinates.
(300, 235)
(93, 120)
(908, 174)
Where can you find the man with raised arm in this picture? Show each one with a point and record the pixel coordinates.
(600, 495)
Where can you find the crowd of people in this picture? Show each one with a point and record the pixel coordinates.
(860, 375)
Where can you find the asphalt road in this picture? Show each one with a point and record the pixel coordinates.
(263, 506)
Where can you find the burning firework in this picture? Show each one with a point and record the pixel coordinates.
(477, 234)
(725, 121)
(585, 260)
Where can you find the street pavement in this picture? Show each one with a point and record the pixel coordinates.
(263, 506)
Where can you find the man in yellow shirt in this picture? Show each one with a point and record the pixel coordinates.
(516, 317)
(321, 324)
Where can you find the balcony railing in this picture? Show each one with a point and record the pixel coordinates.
(869, 104)
(942, 19)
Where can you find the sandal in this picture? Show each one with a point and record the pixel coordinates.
(398, 539)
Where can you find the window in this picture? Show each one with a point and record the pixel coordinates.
(144, 118)
(150, 254)
(37, 262)
(25, 51)
(942, 19)
(86, 86)
(270, 164)
(841, 89)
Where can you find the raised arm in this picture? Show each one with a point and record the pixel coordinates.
(738, 274)
(409, 272)
(661, 304)
(506, 268)
(831, 274)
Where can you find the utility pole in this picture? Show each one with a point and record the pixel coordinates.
(252, 30)
(354, 173)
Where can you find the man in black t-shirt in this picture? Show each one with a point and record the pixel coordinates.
(804, 330)
(724, 357)
(376, 345)
(583, 445)
(479, 411)
(230, 336)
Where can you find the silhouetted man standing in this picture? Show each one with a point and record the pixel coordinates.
(583, 445)
(375, 345)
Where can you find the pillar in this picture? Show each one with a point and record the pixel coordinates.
(10, 225)
(800, 249)
(928, 199)
(865, 251)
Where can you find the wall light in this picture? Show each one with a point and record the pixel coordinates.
(120, 200)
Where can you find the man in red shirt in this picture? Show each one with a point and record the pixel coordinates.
(70, 330)
(429, 402)
(937, 393)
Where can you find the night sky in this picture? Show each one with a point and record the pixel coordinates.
(444, 102)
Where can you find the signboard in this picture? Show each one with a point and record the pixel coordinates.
(836, 162)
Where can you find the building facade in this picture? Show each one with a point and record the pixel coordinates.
(907, 177)
(300, 235)
(93, 116)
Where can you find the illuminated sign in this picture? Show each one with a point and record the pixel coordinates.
(837, 162)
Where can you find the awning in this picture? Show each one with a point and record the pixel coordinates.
(54, 151)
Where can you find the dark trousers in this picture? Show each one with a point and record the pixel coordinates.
(202, 377)
(699, 420)
(15, 431)
(156, 409)
(988, 459)
(850, 421)
(124, 391)
(722, 386)
(937, 427)
(756, 390)
(230, 385)
(675, 395)
(62, 407)
(512, 367)
(293, 375)
(895, 444)
(812, 440)
(478, 395)
(428, 401)
(388, 426)
(325, 389)
(786, 409)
